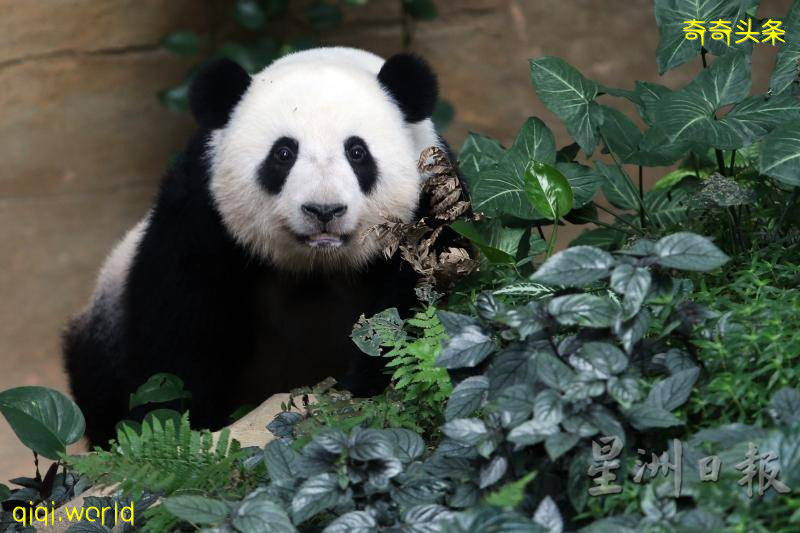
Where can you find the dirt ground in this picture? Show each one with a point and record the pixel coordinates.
(83, 139)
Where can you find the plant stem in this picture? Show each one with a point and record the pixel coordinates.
(703, 56)
(551, 244)
(609, 226)
(720, 160)
(541, 233)
(733, 160)
(788, 206)
(600, 207)
(641, 199)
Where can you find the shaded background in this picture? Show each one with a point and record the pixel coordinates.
(84, 140)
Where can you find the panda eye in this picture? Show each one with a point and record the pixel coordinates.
(356, 153)
(284, 154)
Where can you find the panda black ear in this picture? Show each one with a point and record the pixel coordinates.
(215, 91)
(412, 84)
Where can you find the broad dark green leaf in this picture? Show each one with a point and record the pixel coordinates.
(625, 390)
(443, 115)
(497, 243)
(532, 432)
(369, 444)
(548, 516)
(353, 522)
(674, 48)
(667, 207)
(45, 420)
(465, 430)
(583, 180)
(408, 446)
(492, 471)
(534, 142)
(757, 115)
(672, 392)
(259, 513)
(553, 372)
(315, 495)
(280, 458)
(603, 238)
(620, 134)
(688, 114)
(633, 283)
(574, 267)
(780, 154)
(477, 154)
(465, 349)
(548, 190)
(197, 509)
(467, 397)
(570, 96)
(559, 444)
(618, 187)
(687, 251)
(599, 360)
(548, 407)
(370, 334)
(5, 492)
(159, 388)
(646, 416)
(784, 76)
(784, 406)
(585, 310)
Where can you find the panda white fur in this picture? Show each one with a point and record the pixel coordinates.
(246, 276)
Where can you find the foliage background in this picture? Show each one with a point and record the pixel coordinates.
(84, 139)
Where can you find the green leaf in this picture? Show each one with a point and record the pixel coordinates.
(353, 522)
(674, 48)
(492, 471)
(185, 43)
(467, 397)
(44, 420)
(570, 96)
(532, 432)
(383, 329)
(5, 492)
(621, 134)
(162, 387)
(548, 516)
(688, 114)
(407, 445)
(633, 283)
(780, 154)
(672, 392)
(498, 244)
(585, 310)
(468, 431)
(599, 360)
(646, 416)
(687, 251)
(548, 190)
(511, 494)
(496, 178)
(784, 76)
(548, 407)
(784, 406)
(280, 460)
(551, 371)
(604, 238)
(258, 513)
(250, 14)
(626, 391)
(667, 207)
(197, 509)
(757, 115)
(176, 99)
(465, 349)
(315, 495)
(583, 180)
(559, 444)
(574, 267)
(617, 187)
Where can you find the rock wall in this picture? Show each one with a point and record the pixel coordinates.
(83, 138)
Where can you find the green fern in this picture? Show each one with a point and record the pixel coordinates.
(163, 459)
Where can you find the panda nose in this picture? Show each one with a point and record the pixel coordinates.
(324, 212)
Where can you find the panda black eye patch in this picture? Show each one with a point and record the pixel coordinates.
(273, 171)
(362, 163)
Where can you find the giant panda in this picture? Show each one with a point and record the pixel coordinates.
(246, 276)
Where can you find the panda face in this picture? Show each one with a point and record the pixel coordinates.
(312, 156)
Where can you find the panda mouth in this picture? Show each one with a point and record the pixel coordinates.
(325, 240)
